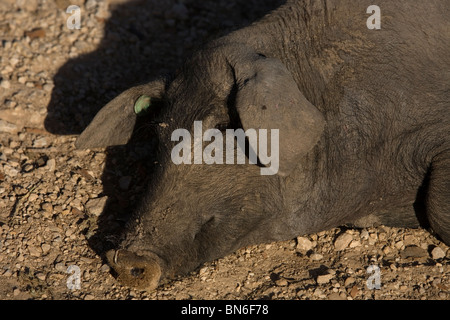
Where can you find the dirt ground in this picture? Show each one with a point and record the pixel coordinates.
(61, 208)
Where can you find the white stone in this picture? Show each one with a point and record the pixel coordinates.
(343, 241)
(304, 244)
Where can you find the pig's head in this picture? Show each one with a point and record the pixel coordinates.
(193, 213)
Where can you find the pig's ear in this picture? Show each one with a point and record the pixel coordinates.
(268, 97)
(114, 123)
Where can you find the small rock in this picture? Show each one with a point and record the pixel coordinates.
(81, 45)
(413, 252)
(34, 251)
(103, 12)
(319, 293)
(336, 296)
(96, 206)
(349, 281)
(8, 127)
(437, 253)
(364, 234)
(28, 167)
(316, 256)
(46, 206)
(304, 244)
(28, 5)
(7, 273)
(325, 278)
(35, 33)
(63, 4)
(51, 165)
(399, 244)
(11, 172)
(5, 84)
(61, 267)
(41, 276)
(105, 268)
(45, 248)
(354, 244)
(14, 61)
(90, 4)
(40, 143)
(354, 292)
(48, 87)
(281, 282)
(41, 161)
(409, 239)
(343, 241)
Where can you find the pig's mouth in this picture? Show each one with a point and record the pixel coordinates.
(141, 272)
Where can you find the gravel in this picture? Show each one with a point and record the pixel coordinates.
(61, 208)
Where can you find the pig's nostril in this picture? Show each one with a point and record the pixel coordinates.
(136, 272)
(140, 271)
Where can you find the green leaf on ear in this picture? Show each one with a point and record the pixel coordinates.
(142, 104)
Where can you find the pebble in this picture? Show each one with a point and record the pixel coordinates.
(48, 87)
(413, 252)
(349, 281)
(355, 244)
(16, 292)
(105, 268)
(22, 80)
(46, 206)
(8, 273)
(14, 61)
(281, 282)
(11, 172)
(34, 251)
(437, 253)
(343, 241)
(96, 206)
(316, 256)
(41, 276)
(336, 296)
(40, 143)
(45, 248)
(5, 84)
(61, 267)
(50, 165)
(364, 234)
(8, 127)
(304, 244)
(28, 5)
(319, 293)
(325, 278)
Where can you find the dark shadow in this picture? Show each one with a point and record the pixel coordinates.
(142, 40)
(420, 203)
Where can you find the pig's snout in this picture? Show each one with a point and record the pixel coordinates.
(141, 272)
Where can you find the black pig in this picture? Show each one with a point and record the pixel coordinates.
(363, 116)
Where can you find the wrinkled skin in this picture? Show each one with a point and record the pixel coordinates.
(364, 124)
